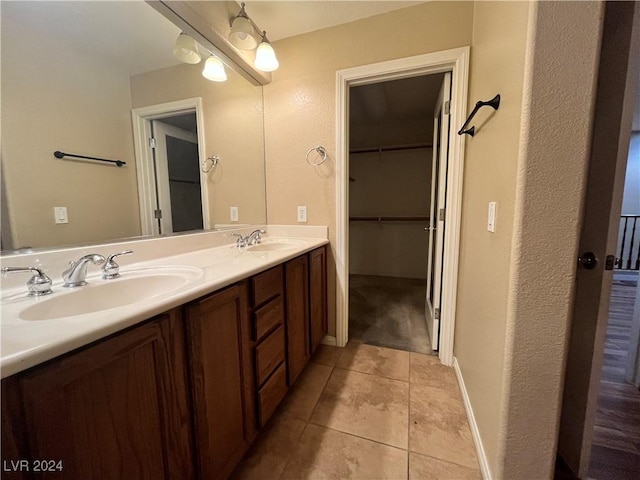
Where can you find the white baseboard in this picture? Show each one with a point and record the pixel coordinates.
(329, 340)
(475, 432)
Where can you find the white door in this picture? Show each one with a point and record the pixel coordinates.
(163, 133)
(438, 212)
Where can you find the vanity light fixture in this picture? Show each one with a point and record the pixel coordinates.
(265, 56)
(186, 49)
(214, 70)
(244, 35)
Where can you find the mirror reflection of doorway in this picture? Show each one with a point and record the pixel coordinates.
(177, 172)
(172, 187)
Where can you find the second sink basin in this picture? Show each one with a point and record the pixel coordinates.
(106, 294)
(274, 246)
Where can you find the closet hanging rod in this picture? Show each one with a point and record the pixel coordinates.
(390, 219)
(417, 146)
(59, 154)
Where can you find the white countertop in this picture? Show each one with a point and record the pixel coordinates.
(26, 343)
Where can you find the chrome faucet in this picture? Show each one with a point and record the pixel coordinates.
(39, 284)
(111, 269)
(241, 241)
(75, 275)
(255, 237)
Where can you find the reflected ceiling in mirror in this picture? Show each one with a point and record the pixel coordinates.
(71, 74)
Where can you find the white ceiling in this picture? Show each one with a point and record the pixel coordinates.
(283, 19)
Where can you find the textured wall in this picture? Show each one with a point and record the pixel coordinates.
(300, 102)
(558, 102)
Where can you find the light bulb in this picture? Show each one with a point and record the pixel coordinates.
(266, 57)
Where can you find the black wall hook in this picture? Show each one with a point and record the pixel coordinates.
(494, 103)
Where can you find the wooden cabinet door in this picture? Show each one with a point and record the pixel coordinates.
(117, 409)
(223, 395)
(297, 308)
(318, 295)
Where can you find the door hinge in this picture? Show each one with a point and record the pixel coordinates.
(441, 215)
(447, 107)
(436, 314)
(152, 142)
(157, 214)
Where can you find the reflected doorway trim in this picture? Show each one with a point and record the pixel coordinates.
(455, 61)
(142, 118)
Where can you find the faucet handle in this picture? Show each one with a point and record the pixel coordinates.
(241, 241)
(111, 269)
(39, 284)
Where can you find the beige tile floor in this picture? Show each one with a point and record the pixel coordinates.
(366, 412)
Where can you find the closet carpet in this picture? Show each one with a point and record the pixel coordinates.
(388, 312)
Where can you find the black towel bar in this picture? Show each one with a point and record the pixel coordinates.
(493, 103)
(59, 154)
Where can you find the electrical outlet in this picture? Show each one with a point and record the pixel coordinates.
(60, 214)
(302, 213)
(491, 217)
(233, 214)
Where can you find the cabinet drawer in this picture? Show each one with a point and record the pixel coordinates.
(267, 317)
(271, 394)
(266, 285)
(269, 354)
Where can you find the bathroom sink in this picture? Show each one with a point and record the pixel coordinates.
(274, 246)
(101, 295)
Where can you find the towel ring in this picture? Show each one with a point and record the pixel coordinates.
(214, 159)
(320, 150)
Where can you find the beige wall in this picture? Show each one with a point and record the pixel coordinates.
(300, 102)
(49, 103)
(233, 130)
(491, 157)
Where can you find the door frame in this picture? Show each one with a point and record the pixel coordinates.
(141, 119)
(455, 61)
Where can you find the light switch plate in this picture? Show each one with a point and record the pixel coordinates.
(233, 214)
(302, 213)
(60, 214)
(491, 217)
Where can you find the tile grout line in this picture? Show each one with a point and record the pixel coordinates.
(371, 374)
(284, 469)
(357, 436)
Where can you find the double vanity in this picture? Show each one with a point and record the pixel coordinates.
(168, 370)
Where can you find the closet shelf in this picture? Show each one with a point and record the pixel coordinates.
(396, 148)
(390, 219)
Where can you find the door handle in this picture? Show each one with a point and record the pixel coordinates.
(588, 260)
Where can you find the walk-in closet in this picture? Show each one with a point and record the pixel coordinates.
(391, 138)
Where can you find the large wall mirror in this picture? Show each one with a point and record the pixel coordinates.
(72, 74)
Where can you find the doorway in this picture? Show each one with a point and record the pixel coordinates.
(172, 185)
(397, 183)
(456, 62)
